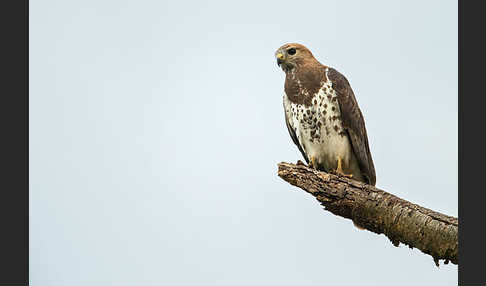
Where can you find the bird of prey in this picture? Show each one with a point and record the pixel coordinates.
(323, 117)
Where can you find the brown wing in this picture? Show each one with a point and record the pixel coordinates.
(294, 137)
(354, 124)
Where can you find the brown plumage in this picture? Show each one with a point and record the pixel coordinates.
(323, 116)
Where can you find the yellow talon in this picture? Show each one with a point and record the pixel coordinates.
(312, 162)
(339, 169)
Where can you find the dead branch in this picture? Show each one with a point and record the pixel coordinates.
(433, 233)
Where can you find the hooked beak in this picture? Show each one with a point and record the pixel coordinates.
(280, 59)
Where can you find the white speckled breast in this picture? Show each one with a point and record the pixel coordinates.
(319, 129)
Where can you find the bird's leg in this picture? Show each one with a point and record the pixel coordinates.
(339, 169)
(312, 162)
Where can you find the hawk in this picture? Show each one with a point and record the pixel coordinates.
(323, 117)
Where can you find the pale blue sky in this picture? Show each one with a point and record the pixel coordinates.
(156, 127)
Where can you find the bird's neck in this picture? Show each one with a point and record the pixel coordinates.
(302, 82)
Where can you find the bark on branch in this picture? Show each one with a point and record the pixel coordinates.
(433, 233)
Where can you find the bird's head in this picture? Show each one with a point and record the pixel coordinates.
(290, 56)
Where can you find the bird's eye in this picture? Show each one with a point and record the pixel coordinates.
(291, 51)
